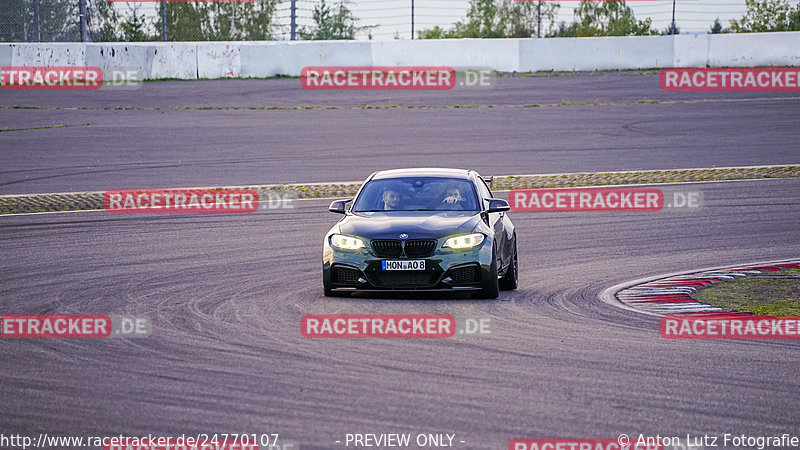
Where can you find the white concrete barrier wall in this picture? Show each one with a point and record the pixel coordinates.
(264, 59)
(155, 60)
(499, 54)
(56, 54)
(192, 60)
(748, 50)
(595, 53)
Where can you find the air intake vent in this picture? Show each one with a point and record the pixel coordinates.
(387, 248)
(345, 275)
(420, 248)
(465, 274)
(403, 279)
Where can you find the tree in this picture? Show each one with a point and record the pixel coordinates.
(186, 21)
(336, 24)
(436, 32)
(496, 19)
(605, 18)
(14, 19)
(716, 27)
(58, 20)
(134, 27)
(103, 21)
(767, 15)
(257, 20)
(240, 21)
(668, 31)
(219, 21)
(794, 19)
(484, 21)
(522, 17)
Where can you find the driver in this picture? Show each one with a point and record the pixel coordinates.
(391, 199)
(452, 196)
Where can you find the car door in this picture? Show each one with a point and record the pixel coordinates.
(501, 226)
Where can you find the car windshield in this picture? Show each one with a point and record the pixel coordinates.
(417, 194)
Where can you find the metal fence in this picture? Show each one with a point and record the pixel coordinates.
(104, 20)
(234, 20)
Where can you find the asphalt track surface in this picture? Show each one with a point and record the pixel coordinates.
(226, 294)
(218, 141)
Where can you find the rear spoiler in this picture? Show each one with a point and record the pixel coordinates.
(488, 180)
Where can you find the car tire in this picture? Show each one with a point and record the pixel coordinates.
(490, 288)
(510, 279)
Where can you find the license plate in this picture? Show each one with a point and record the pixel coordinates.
(406, 264)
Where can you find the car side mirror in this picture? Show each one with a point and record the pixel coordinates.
(339, 206)
(497, 205)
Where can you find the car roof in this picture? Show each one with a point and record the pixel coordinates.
(422, 172)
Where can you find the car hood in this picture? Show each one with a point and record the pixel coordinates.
(416, 224)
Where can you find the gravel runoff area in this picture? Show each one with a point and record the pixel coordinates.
(77, 201)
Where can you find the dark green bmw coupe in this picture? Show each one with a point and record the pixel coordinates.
(421, 230)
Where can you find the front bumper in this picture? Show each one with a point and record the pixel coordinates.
(445, 270)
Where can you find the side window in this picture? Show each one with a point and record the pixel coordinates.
(484, 191)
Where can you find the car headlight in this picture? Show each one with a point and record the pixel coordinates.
(346, 242)
(465, 241)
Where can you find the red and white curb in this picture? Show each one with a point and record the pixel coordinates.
(671, 294)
